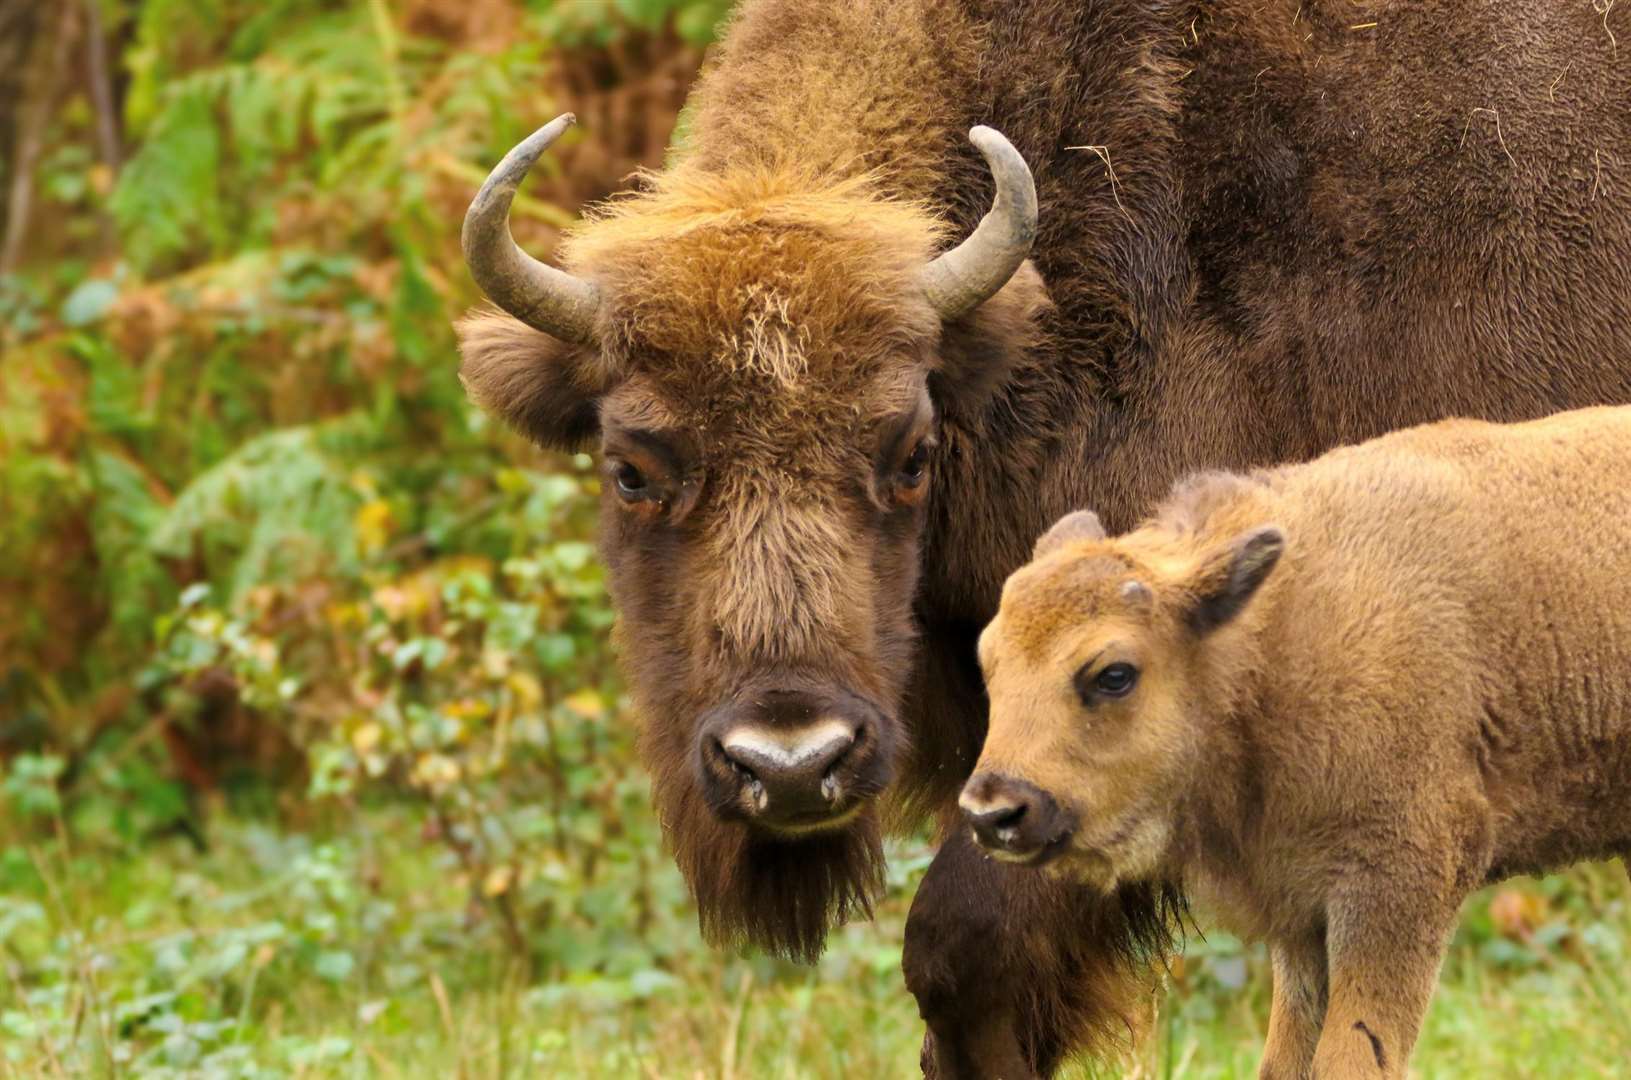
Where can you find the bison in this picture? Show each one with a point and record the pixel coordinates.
(1332, 699)
(834, 414)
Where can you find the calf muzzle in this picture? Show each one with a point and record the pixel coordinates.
(1014, 820)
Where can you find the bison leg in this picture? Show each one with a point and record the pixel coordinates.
(1384, 945)
(1014, 970)
(1298, 1009)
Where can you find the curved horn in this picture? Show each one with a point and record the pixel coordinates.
(541, 296)
(971, 273)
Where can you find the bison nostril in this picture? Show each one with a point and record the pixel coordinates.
(1008, 816)
(1001, 822)
(1008, 820)
(792, 770)
(731, 760)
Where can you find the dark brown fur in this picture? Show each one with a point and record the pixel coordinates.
(1309, 230)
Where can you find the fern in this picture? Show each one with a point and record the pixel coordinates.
(124, 511)
(279, 507)
(167, 202)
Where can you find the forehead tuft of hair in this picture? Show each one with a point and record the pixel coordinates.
(1084, 581)
(684, 200)
(767, 273)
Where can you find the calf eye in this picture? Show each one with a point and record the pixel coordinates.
(631, 482)
(1114, 681)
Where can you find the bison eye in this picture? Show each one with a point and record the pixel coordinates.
(1115, 681)
(631, 482)
(916, 465)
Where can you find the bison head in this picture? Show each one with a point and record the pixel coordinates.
(765, 357)
(1109, 677)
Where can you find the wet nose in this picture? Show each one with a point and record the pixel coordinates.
(792, 761)
(1012, 819)
(790, 770)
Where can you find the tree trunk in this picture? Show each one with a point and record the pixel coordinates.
(33, 55)
(100, 82)
(18, 20)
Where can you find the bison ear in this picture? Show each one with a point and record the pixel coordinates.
(1075, 527)
(547, 389)
(1230, 579)
(978, 351)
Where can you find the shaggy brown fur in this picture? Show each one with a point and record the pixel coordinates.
(1303, 230)
(1430, 691)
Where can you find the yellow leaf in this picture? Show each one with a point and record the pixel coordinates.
(468, 709)
(435, 771)
(362, 482)
(101, 178)
(587, 704)
(366, 737)
(526, 688)
(345, 616)
(512, 481)
(373, 525)
(498, 881)
(408, 600)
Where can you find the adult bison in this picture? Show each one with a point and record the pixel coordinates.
(1265, 229)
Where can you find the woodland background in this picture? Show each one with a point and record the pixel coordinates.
(313, 757)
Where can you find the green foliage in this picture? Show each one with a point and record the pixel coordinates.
(577, 22)
(31, 786)
(313, 755)
(249, 519)
(168, 200)
(353, 949)
(278, 577)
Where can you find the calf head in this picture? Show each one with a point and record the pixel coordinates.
(1108, 666)
(764, 359)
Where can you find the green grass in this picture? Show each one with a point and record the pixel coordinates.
(360, 954)
(234, 452)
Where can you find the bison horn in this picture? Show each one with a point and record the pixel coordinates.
(971, 273)
(541, 296)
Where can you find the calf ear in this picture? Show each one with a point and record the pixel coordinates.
(1080, 525)
(978, 351)
(1229, 580)
(548, 390)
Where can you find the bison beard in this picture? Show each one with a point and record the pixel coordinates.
(1011, 977)
(780, 895)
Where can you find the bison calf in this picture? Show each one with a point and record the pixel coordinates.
(1330, 700)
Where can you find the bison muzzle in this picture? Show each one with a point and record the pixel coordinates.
(795, 761)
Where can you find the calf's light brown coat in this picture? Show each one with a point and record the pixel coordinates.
(1366, 686)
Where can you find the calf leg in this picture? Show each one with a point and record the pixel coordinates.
(1298, 1009)
(1014, 970)
(1384, 947)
